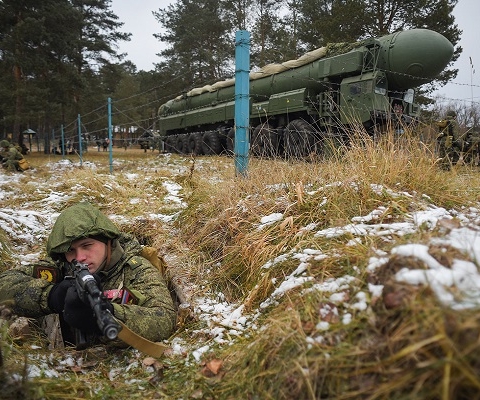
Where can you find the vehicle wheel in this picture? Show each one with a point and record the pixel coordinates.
(168, 144)
(230, 145)
(299, 139)
(211, 143)
(222, 132)
(181, 143)
(264, 141)
(195, 143)
(176, 142)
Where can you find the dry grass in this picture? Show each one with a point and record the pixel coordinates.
(393, 354)
(416, 350)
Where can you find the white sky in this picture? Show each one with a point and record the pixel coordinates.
(139, 21)
(143, 48)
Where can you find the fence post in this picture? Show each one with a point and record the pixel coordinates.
(110, 144)
(242, 101)
(79, 123)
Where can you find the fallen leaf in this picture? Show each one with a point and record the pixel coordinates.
(198, 394)
(214, 365)
(147, 361)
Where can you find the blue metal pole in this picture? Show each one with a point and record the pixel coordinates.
(242, 101)
(109, 110)
(79, 123)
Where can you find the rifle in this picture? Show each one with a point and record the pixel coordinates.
(90, 293)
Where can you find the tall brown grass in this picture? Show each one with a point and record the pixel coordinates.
(418, 349)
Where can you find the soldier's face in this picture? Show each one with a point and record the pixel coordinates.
(88, 251)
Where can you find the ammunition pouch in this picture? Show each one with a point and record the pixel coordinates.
(23, 164)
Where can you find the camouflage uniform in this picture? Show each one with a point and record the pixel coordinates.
(449, 140)
(471, 151)
(10, 156)
(149, 311)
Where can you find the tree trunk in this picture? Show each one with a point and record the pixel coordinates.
(17, 75)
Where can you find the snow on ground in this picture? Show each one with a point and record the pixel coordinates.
(224, 321)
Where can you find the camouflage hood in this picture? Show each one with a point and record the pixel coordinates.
(79, 221)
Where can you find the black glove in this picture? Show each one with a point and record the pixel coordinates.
(79, 315)
(56, 297)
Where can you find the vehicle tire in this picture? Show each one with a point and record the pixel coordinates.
(264, 141)
(211, 143)
(186, 143)
(299, 139)
(174, 144)
(222, 132)
(195, 143)
(168, 144)
(230, 145)
(181, 143)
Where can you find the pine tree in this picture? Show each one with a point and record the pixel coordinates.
(34, 43)
(199, 42)
(51, 52)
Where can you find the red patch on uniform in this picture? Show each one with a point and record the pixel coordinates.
(123, 296)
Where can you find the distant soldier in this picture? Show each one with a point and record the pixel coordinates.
(106, 142)
(10, 156)
(449, 140)
(471, 147)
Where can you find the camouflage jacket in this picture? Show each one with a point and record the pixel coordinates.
(137, 289)
(448, 127)
(12, 154)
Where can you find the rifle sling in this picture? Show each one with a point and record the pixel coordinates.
(146, 346)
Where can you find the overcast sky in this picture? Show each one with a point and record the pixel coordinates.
(143, 48)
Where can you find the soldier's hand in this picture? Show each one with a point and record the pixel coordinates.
(56, 297)
(77, 314)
